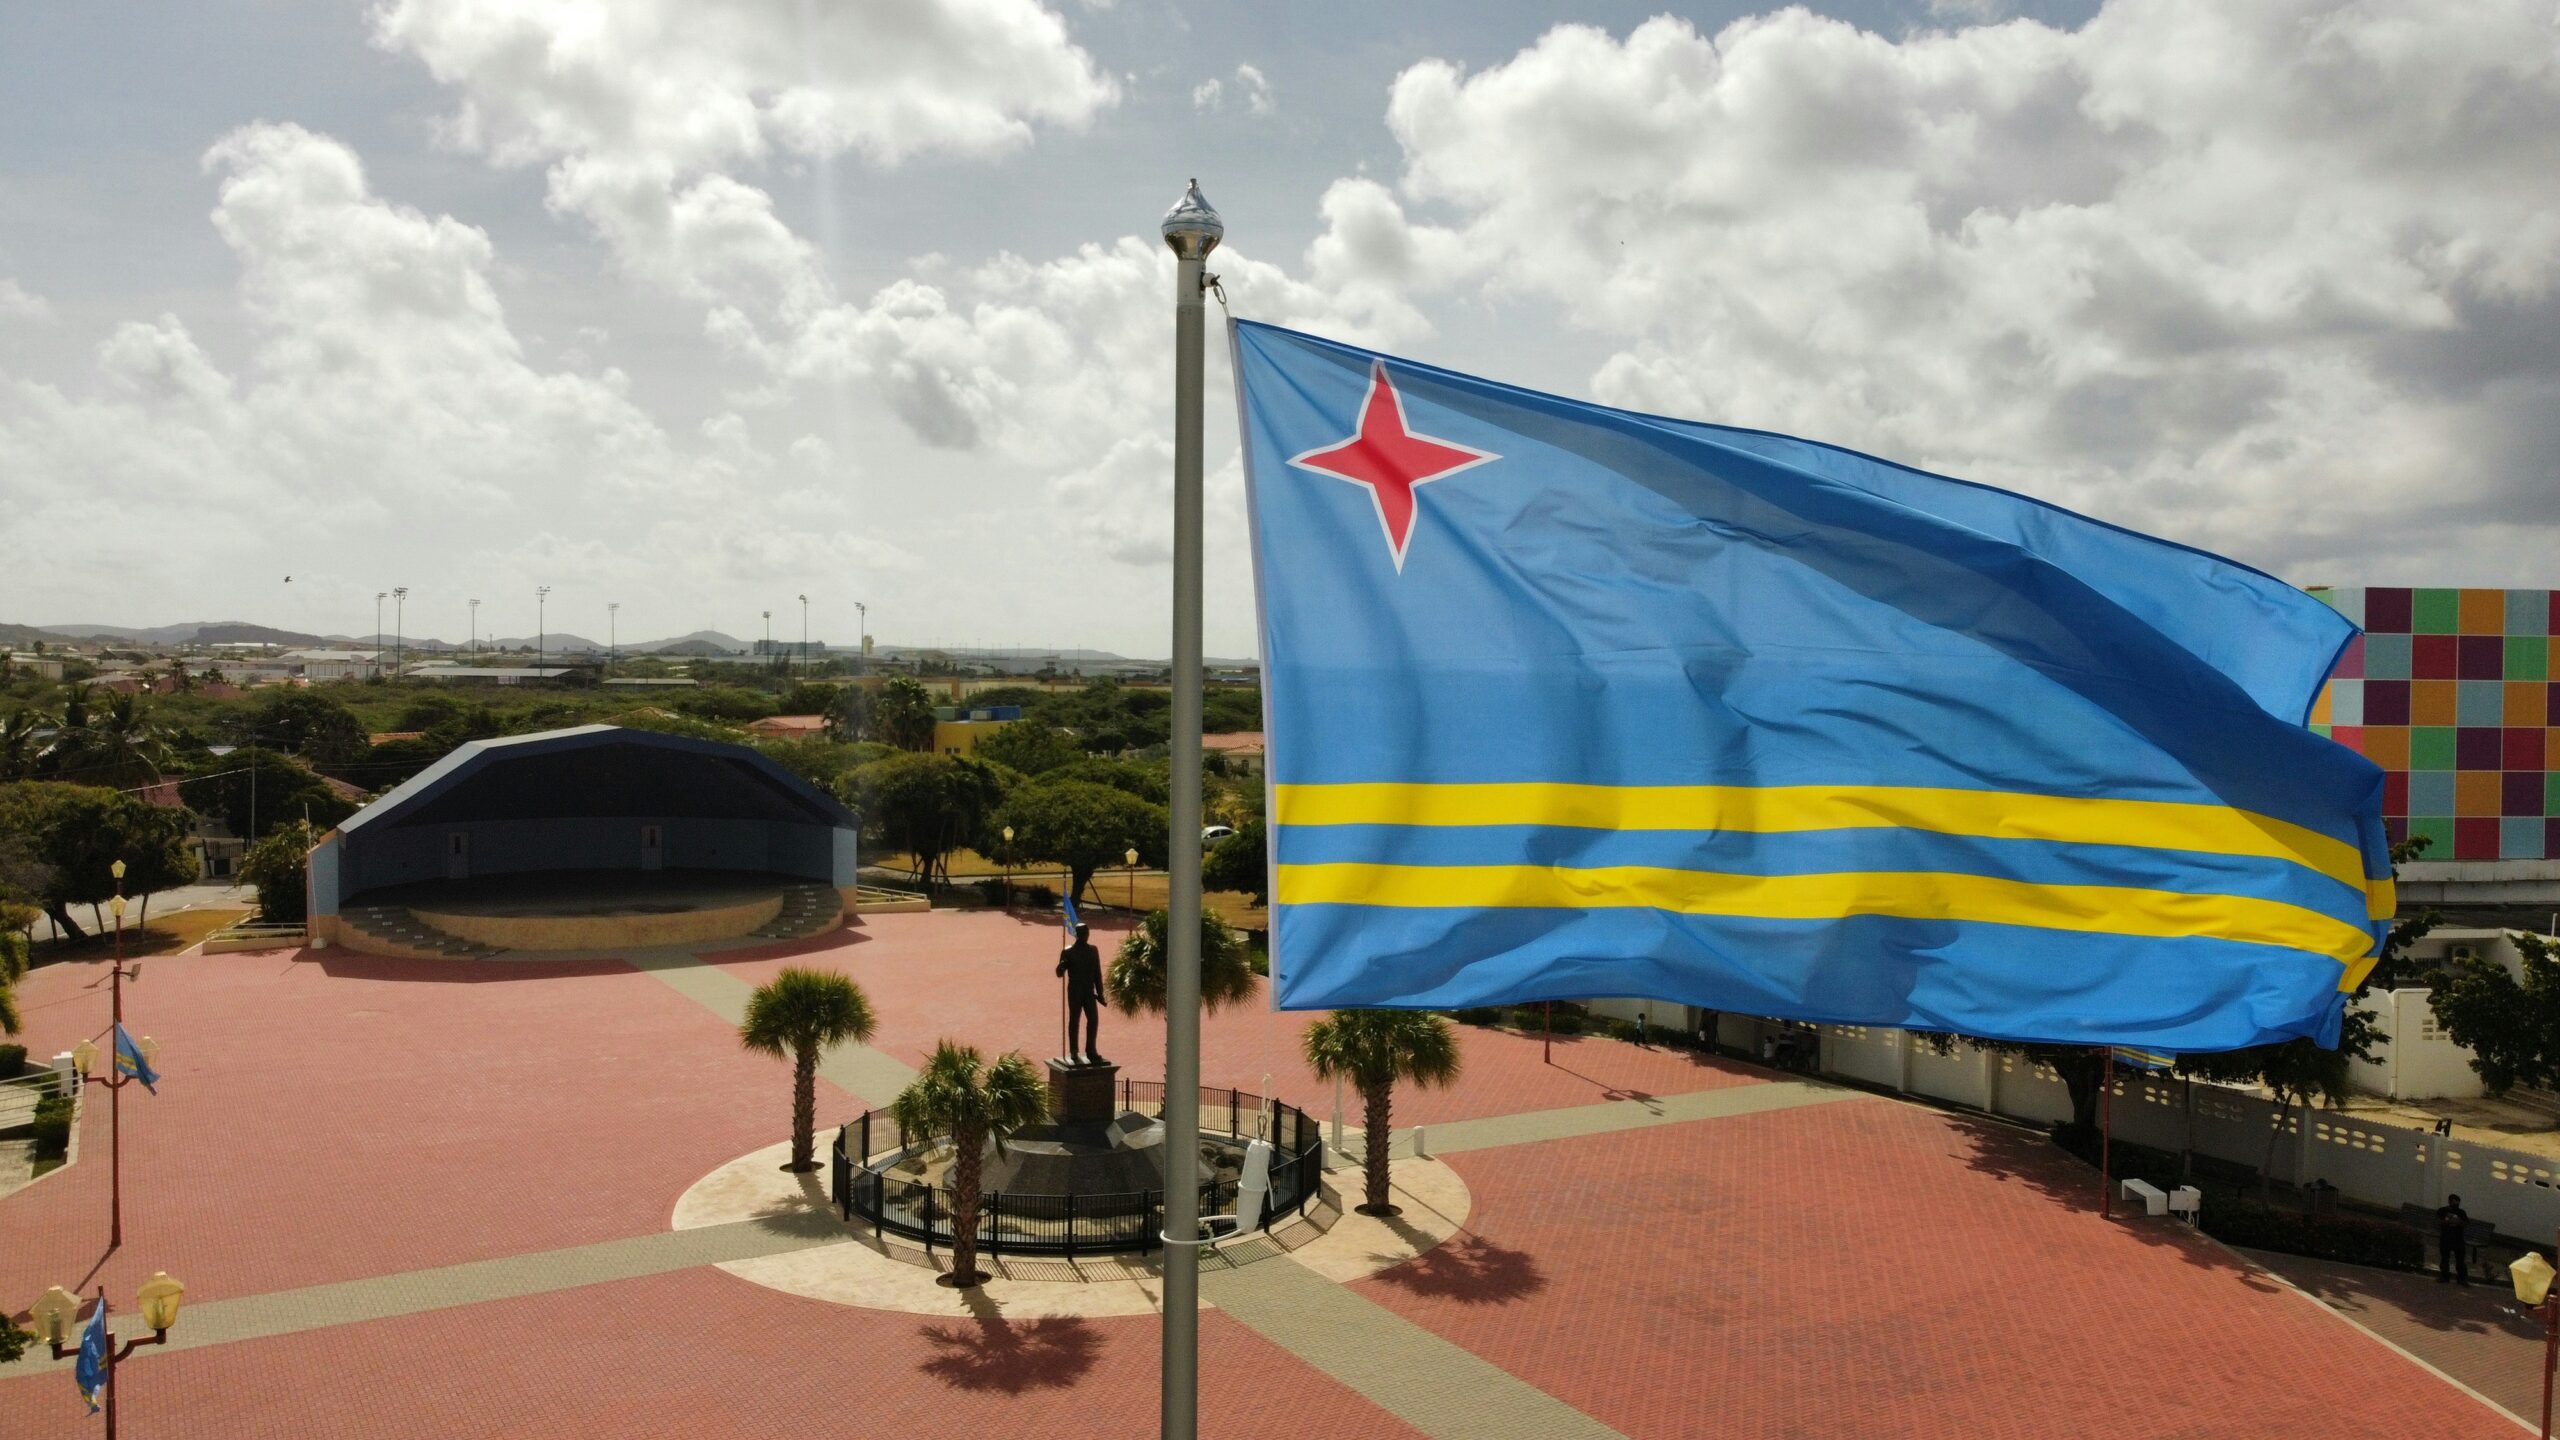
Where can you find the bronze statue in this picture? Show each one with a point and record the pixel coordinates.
(1082, 965)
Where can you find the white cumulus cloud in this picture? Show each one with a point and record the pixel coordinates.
(2266, 277)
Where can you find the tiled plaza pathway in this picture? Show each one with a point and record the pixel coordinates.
(432, 1198)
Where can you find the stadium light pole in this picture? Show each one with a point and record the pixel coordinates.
(1193, 229)
(541, 632)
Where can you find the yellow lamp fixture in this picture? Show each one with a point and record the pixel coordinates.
(2532, 1278)
(84, 1055)
(160, 1297)
(117, 869)
(115, 905)
(1132, 857)
(56, 1316)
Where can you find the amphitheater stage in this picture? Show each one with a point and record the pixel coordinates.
(585, 910)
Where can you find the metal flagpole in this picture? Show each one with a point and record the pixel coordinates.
(1193, 230)
(2106, 1134)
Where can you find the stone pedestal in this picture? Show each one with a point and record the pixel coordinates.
(1083, 1093)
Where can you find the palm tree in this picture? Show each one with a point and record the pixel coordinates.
(1373, 1049)
(795, 1015)
(960, 1096)
(122, 747)
(21, 744)
(1137, 977)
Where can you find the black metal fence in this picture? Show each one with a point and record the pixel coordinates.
(866, 1183)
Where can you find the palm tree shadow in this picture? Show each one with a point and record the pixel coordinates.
(1471, 1270)
(991, 1354)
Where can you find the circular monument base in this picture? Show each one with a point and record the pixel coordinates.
(887, 1273)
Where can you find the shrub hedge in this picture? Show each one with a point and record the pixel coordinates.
(52, 1127)
(13, 1060)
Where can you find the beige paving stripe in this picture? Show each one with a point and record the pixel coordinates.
(383, 1297)
(1579, 1120)
(1438, 1388)
(866, 1074)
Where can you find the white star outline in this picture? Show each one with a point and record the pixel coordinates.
(1380, 381)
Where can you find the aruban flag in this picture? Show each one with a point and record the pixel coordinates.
(1567, 701)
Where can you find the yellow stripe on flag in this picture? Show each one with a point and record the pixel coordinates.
(1995, 814)
(1909, 895)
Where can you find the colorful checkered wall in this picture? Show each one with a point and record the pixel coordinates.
(2453, 694)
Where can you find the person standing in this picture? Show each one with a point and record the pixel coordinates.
(1082, 965)
(2453, 1235)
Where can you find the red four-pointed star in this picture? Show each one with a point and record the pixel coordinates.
(1389, 459)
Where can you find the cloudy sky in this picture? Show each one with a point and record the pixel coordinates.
(700, 305)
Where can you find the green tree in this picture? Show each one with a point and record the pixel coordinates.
(2509, 1022)
(1030, 746)
(902, 714)
(78, 832)
(122, 749)
(1137, 978)
(309, 724)
(22, 744)
(1241, 862)
(13, 968)
(1081, 826)
(849, 715)
(277, 788)
(793, 1016)
(926, 806)
(1373, 1049)
(805, 698)
(279, 866)
(1146, 781)
(962, 1097)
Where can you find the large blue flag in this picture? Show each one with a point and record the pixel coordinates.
(131, 1062)
(90, 1370)
(1565, 701)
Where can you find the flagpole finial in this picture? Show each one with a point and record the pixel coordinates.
(1192, 226)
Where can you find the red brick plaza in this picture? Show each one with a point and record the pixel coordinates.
(331, 1125)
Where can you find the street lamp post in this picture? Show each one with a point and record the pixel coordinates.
(1008, 867)
(2532, 1277)
(57, 1315)
(541, 632)
(399, 628)
(1131, 856)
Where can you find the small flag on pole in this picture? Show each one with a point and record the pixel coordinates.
(131, 1062)
(91, 1370)
(1068, 918)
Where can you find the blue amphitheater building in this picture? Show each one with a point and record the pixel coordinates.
(597, 837)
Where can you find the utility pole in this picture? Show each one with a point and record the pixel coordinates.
(1193, 229)
(541, 632)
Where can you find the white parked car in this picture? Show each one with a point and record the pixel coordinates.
(1210, 835)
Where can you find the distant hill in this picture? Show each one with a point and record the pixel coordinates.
(557, 643)
(700, 642)
(203, 632)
